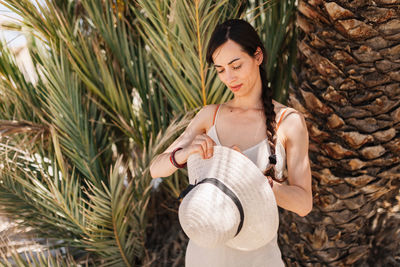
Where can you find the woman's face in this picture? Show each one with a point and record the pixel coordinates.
(237, 69)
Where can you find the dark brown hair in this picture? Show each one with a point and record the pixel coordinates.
(245, 35)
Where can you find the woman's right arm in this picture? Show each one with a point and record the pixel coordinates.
(193, 140)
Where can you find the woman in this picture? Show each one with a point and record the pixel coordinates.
(250, 122)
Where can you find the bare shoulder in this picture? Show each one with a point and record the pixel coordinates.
(283, 111)
(204, 117)
(294, 126)
(198, 125)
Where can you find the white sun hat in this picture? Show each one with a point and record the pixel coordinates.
(229, 201)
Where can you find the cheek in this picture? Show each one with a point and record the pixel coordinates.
(245, 74)
(222, 77)
(252, 72)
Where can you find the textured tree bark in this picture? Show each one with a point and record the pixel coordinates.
(348, 87)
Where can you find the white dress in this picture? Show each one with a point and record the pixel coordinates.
(268, 255)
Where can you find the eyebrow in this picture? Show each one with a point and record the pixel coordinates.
(229, 62)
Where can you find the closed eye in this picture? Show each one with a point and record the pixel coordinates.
(235, 68)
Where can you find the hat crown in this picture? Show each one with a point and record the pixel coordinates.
(212, 223)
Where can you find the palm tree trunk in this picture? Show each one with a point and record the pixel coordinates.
(347, 86)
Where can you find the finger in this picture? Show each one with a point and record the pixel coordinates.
(206, 143)
(235, 147)
(199, 149)
(205, 147)
(210, 147)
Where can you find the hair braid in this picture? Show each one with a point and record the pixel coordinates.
(270, 118)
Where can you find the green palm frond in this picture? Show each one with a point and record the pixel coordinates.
(10, 255)
(125, 59)
(173, 29)
(114, 215)
(69, 112)
(46, 18)
(113, 66)
(18, 96)
(45, 199)
(274, 21)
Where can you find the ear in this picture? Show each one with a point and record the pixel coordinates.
(259, 55)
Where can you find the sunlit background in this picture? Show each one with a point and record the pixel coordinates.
(13, 38)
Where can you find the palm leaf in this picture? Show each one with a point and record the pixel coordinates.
(46, 18)
(11, 255)
(274, 21)
(19, 97)
(173, 29)
(69, 113)
(114, 216)
(33, 185)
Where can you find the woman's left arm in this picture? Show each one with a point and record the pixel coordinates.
(295, 196)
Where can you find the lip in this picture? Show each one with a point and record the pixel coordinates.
(236, 88)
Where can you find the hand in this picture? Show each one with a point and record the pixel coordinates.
(202, 144)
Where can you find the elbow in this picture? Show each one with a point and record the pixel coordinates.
(155, 175)
(306, 204)
(153, 172)
(154, 169)
(306, 210)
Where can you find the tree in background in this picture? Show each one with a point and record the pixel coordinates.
(347, 85)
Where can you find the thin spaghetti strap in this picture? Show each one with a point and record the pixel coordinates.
(215, 113)
(280, 119)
